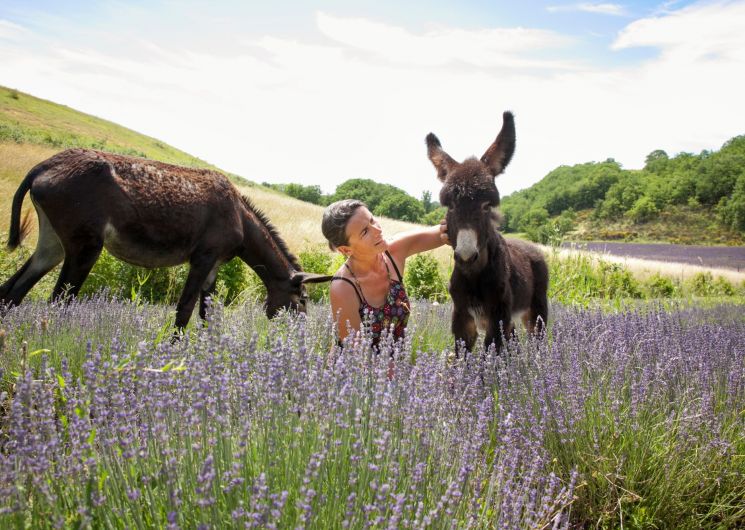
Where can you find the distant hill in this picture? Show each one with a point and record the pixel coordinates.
(687, 199)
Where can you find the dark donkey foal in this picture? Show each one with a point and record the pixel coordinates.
(494, 279)
(149, 214)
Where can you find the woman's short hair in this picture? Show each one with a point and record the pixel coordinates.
(335, 219)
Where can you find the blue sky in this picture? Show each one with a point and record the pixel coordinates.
(319, 92)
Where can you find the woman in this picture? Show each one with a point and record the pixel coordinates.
(369, 286)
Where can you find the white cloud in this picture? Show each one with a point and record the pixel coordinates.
(702, 31)
(359, 102)
(11, 31)
(498, 47)
(601, 9)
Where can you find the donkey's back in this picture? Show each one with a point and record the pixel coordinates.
(151, 185)
(144, 212)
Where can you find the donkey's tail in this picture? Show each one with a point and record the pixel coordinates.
(19, 229)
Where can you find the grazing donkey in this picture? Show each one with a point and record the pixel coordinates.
(149, 214)
(494, 279)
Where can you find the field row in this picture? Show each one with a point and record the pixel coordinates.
(706, 256)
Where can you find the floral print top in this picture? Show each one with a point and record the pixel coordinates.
(393, 315)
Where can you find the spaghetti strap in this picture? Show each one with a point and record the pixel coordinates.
(350, 282)
(400, 279)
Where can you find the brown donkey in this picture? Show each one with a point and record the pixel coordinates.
(494, 279)
(149, 214)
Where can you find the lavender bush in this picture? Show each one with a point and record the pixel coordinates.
(630, 419)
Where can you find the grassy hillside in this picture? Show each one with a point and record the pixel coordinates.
(678, 224)
(25, 119)
(689, 199)
(32, 129)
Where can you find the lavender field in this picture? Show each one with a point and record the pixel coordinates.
(632, 419)
(707, 256)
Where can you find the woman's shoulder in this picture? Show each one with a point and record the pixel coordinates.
(341, 282)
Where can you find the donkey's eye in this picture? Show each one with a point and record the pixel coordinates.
(486, 206)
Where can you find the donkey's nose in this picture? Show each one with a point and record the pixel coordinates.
(466, 246)
(466, 258)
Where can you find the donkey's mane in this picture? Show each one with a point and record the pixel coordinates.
(263, 219)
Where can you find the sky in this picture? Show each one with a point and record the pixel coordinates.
(321, 92)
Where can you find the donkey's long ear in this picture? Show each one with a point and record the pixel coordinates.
(500, 152)
(310, 277)
(440, 159)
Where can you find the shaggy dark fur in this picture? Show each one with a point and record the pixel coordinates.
(149, 214)
(494, 279)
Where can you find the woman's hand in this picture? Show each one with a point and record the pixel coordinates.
(444, 232)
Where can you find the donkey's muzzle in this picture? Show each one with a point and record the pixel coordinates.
(467, 258)
(466, 247)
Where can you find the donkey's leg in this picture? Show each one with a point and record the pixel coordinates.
(201, 266)
(464, 329)
(539, 313)
(78, 264)
(6, 287)
(498, 329)
(529, 320)
(539, 301)
(48, 254)
(208, 289)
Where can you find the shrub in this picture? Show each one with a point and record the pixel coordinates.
(618, 282)
(552, 231)
(723, 287)
(704, 284)
(161, 285)
(579, 279)
(232, 280)
(319, 261)
(658, 286)
(643, 210)
(423, 279)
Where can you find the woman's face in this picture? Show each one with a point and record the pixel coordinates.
(364, 233)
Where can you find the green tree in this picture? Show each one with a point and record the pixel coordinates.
(310, 194)
(643, 210)
(435, 216)
(656, 161)
(365, 190)
(427, 201)
(732, 209)
(400, 206)
(534, 223)
(717, 175)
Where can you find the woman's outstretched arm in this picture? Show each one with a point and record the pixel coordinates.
(420, 240)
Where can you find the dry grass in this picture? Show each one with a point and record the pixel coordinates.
(15, 161)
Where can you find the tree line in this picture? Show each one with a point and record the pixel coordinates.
(382, 199)
(710, 180)
(713, 181)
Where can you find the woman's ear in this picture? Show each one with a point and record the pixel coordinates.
(344, 249)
